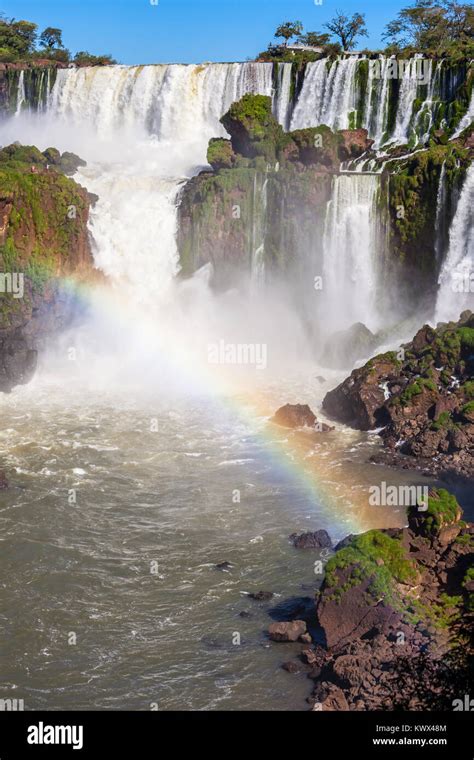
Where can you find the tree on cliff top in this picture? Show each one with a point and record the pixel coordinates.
(288, 30)
(432, 25)
(347, 29)
(17, 38)
(314, 39)
(51, 38)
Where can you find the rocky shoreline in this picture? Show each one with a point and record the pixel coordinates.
(422, 399)
(392, 624)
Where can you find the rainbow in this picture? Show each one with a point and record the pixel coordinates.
(305, 460)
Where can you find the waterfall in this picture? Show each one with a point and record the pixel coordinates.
(152, 125)
(144, 129)
(283, 94)
(456, 281)
(376, 98)
(340, 93)
(350, 248)
(171, 102)
(406, 99)
(467, 118)
(21, 94)
(257, 272)
(440, 214)
(328, 95)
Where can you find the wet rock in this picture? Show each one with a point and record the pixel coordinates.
(291, 666)
(318, 539)
(355, 142)
(309, 656)
(344, 542)
(3, 481)
(262, 596)
(287, 631)
(223, 566)
(420, 398)
(294, 416)
(330, 698)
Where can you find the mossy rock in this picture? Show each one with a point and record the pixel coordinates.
(442, 510)
(253, 128)
(220, 154)
(373, 556)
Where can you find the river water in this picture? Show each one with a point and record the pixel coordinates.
(121, 504)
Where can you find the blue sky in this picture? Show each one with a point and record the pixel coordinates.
(188, 31)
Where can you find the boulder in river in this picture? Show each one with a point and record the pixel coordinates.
(297, 416)
(261, 596)
(287, 631)
(317, 539)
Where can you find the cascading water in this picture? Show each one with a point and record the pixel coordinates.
(166, 114)
(327, 96)
(258, 230)
(467, 119)
(283, 94)
(440, 214)
(350, 252)
(21, 94)
(456, 281)
(406, 99)
(376, 100)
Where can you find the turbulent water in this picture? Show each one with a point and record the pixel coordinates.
(135, 466)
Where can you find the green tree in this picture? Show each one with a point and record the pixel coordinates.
(432, 24)
(51, 38)
(288, 30)
(347, 29)
(17, 37)
(314, 39)
(83, 58)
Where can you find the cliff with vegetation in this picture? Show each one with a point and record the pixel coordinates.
(421, 191)
(44, 241)
(265, 185)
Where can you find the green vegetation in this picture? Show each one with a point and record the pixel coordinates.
(375, 557)
(283, 53)
(468, 389)
(18, 44)
(442, 27)
(47, 214)
(415, 389)
(469, 578)
(413, 187)
(443, 509)
(288, 30)
(441, 614)
(347, 29)
(220, 153)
